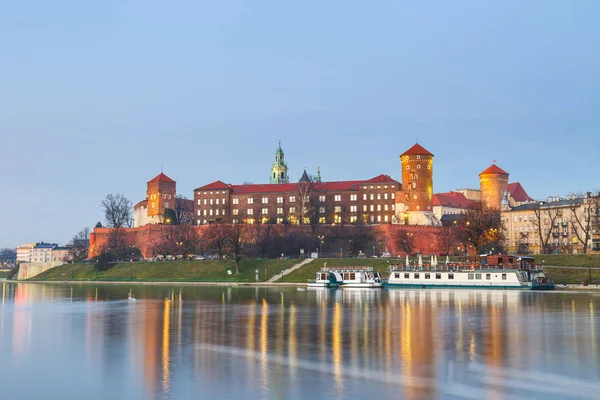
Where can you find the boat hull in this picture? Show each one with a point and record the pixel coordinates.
(442, 286)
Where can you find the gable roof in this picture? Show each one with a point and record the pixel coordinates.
(493, 169)
(216, 185)
(452, 199)
(517, 192)
(383, 178)
(161, 178)
(417, 149)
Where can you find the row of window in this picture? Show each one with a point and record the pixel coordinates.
(438, 275)
(292, 210)
(292, 219)
(292, 199)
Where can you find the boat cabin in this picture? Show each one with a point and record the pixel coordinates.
(508, 261)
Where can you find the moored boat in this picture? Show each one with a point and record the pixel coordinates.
(494, 272)
(357, 277)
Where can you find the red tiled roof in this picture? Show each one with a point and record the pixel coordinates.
(417, 149)
(451, 199)
(162, 178)
(216, 185)
(494, 169)
(381, 179)
(518, 193)
(292, 187)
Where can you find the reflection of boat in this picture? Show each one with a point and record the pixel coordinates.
(507, 272)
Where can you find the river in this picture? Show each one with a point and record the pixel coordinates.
(93, 342)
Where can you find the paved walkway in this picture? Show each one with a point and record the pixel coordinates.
(292, 268)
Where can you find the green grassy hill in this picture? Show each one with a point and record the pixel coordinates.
(207, 270)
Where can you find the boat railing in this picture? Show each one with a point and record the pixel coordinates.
(347, 269)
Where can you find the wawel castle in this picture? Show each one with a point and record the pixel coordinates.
(565, 224)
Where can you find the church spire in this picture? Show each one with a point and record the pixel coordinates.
(279, 170)
(318, 177)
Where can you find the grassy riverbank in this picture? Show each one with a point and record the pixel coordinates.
(205, 270)
(214, 270)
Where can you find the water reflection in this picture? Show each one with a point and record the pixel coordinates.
(290, 343)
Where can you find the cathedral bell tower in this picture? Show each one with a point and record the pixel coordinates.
(279, 171)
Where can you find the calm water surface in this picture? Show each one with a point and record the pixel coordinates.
(91, 342)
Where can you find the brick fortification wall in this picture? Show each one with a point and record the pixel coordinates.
(426, 238)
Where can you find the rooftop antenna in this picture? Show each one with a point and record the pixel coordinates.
(161, 169)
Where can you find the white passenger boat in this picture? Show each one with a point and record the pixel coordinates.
(325, 279)
(495, 272)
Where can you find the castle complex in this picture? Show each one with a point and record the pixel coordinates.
(378, 201)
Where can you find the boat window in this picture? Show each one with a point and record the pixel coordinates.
(488, 276)
(352, 276)
(426, 276)
(406, 276)
(416, 276)
(323, 277)
(346, 276)
(471, 276)
(438, 276)
(396, 275)
(477, 276)
(450, 276)
(503, 277)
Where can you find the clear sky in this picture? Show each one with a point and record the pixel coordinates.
(96, 95)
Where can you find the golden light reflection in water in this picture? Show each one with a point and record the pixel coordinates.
(292, 341)
(166, 373)
(336, 347)
(264, 344)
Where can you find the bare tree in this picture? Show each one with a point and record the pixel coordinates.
(305, 191)
(80, 245)
(481, 226)
(448, 238)
(236, 246)
(184, 210)
(544, 216)
(582, 222)
(215, 239)
(117, 211)
(177, 240)
(404, 241)
(8, 257)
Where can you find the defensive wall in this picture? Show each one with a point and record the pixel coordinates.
(426, 239)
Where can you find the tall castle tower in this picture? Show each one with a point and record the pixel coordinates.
(414, 201)
(279, 171)
(160, 195)
(493, 183)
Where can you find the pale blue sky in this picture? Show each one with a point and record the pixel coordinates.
(95, 96)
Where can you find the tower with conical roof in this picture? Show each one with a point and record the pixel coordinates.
(414, 203)
(493, 182)
(279, 170)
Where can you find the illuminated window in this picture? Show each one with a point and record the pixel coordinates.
(250, 211)
(250, 200)
(337, 197)
(235, 201)
(236, 211)
(265, 200)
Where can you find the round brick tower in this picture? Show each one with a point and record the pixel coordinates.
(493, 183)
(414, 202)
